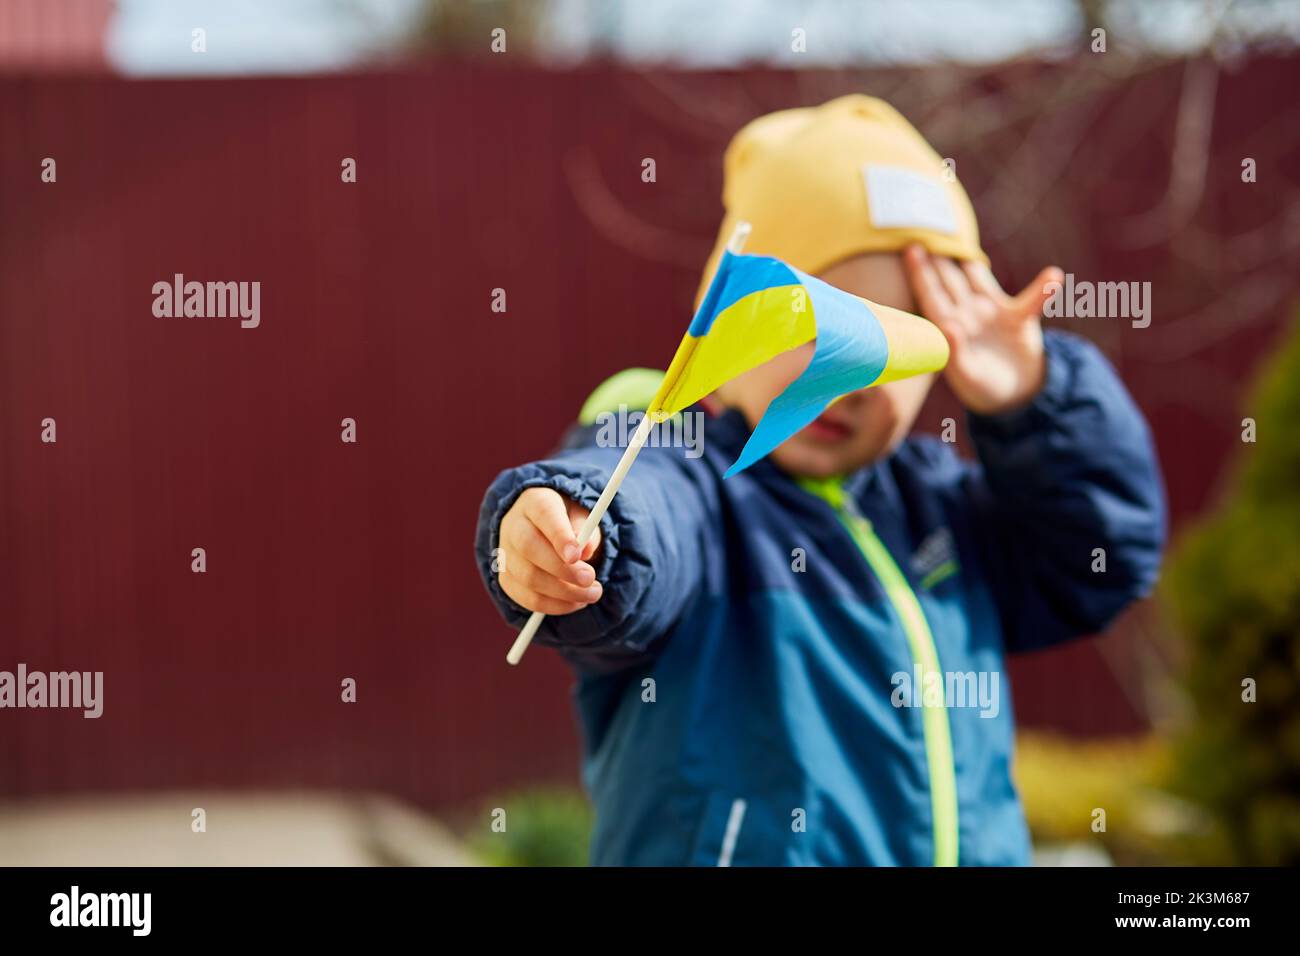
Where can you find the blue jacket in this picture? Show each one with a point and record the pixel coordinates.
(744, 681)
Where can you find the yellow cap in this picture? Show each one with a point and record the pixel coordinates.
(825, 183)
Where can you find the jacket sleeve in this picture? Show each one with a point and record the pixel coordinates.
(653, 542)
(1068, 482)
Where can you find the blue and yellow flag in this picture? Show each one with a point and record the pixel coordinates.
(758, 307)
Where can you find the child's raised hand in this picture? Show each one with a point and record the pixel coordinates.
(540, 566)
(997, 361)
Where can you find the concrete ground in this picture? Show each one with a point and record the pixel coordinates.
(242, 829)
(264, 829)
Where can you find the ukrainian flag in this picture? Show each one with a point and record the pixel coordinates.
(758, 307)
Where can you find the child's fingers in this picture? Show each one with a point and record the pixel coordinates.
(954, 283)
(530, 599)
(1029, 303)
(927, 287)
(983, 280)
(523, 541)
(539, 581)
(546, 510)
(933, 300)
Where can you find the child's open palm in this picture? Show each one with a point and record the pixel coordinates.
(997, 361)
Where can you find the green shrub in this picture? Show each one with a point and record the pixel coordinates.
(1063, 783)
(544, 826)
(1234, 589)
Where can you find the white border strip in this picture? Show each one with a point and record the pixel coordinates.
(734, 819)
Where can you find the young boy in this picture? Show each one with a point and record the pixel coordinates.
(747, 650)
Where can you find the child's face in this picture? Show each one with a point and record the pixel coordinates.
(863, 425)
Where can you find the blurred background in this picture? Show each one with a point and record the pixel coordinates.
(207, 138)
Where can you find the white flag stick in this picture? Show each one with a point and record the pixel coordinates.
(734, 245)
(738, 237)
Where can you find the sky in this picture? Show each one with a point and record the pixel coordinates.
(295, 36)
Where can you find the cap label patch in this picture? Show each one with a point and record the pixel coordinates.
(900, 198)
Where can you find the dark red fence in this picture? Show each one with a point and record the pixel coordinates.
(328, 560)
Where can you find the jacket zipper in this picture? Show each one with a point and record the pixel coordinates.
(925, 660)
